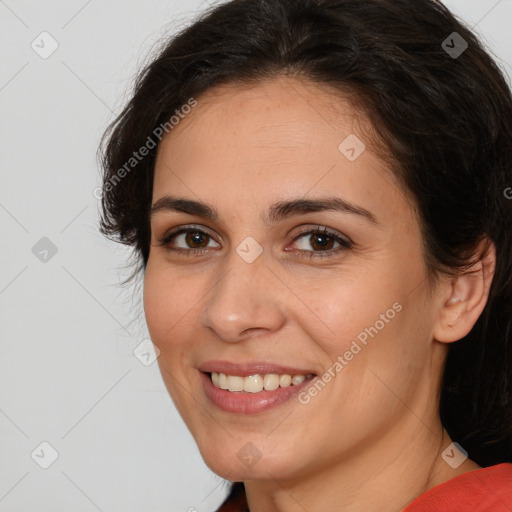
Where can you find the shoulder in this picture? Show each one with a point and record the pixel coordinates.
(483, 490)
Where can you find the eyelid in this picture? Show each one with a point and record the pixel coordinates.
(183, 229)
(344, 241)
(304, 230)
(324, 230)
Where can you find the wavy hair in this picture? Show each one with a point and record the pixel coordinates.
(442, 121)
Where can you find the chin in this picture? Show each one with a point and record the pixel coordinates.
(247, 462)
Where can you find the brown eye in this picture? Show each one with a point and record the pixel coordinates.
(321, 242)
(187, 240)
(196, 239)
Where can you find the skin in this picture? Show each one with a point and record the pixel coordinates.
(372, 438)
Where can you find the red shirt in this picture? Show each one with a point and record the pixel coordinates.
(483, 490)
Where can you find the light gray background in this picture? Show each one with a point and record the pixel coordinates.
(67, 327)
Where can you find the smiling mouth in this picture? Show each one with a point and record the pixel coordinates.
(257, 382)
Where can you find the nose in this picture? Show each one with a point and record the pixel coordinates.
(247, 300)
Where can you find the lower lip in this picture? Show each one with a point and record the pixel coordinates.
(250, 403)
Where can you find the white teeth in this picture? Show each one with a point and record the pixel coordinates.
(235, 383)
(253, 383)
(297, 379)
(223, 381)
(256, 383)
(271, 381)
(285, 380)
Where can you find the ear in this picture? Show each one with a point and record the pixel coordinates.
(464, 297)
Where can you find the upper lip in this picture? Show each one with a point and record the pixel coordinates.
(250, 368)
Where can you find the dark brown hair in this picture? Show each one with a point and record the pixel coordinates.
(444, 119)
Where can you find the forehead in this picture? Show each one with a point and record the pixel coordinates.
(277, 138)
(279, 111)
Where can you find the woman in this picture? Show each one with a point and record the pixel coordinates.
(316, 194)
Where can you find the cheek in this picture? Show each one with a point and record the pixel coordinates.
(350, 307)
(169, 317)
(158, 305)
(163, 308)
(168, 303)
(371, 329)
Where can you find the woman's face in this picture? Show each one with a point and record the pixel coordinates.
(360, 318)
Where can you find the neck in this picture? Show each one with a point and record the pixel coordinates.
(389, 475)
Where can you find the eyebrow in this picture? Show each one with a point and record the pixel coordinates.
(278, 211)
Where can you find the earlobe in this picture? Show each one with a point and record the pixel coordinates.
(467, 297)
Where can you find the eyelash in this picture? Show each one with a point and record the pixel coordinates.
(344, 242)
